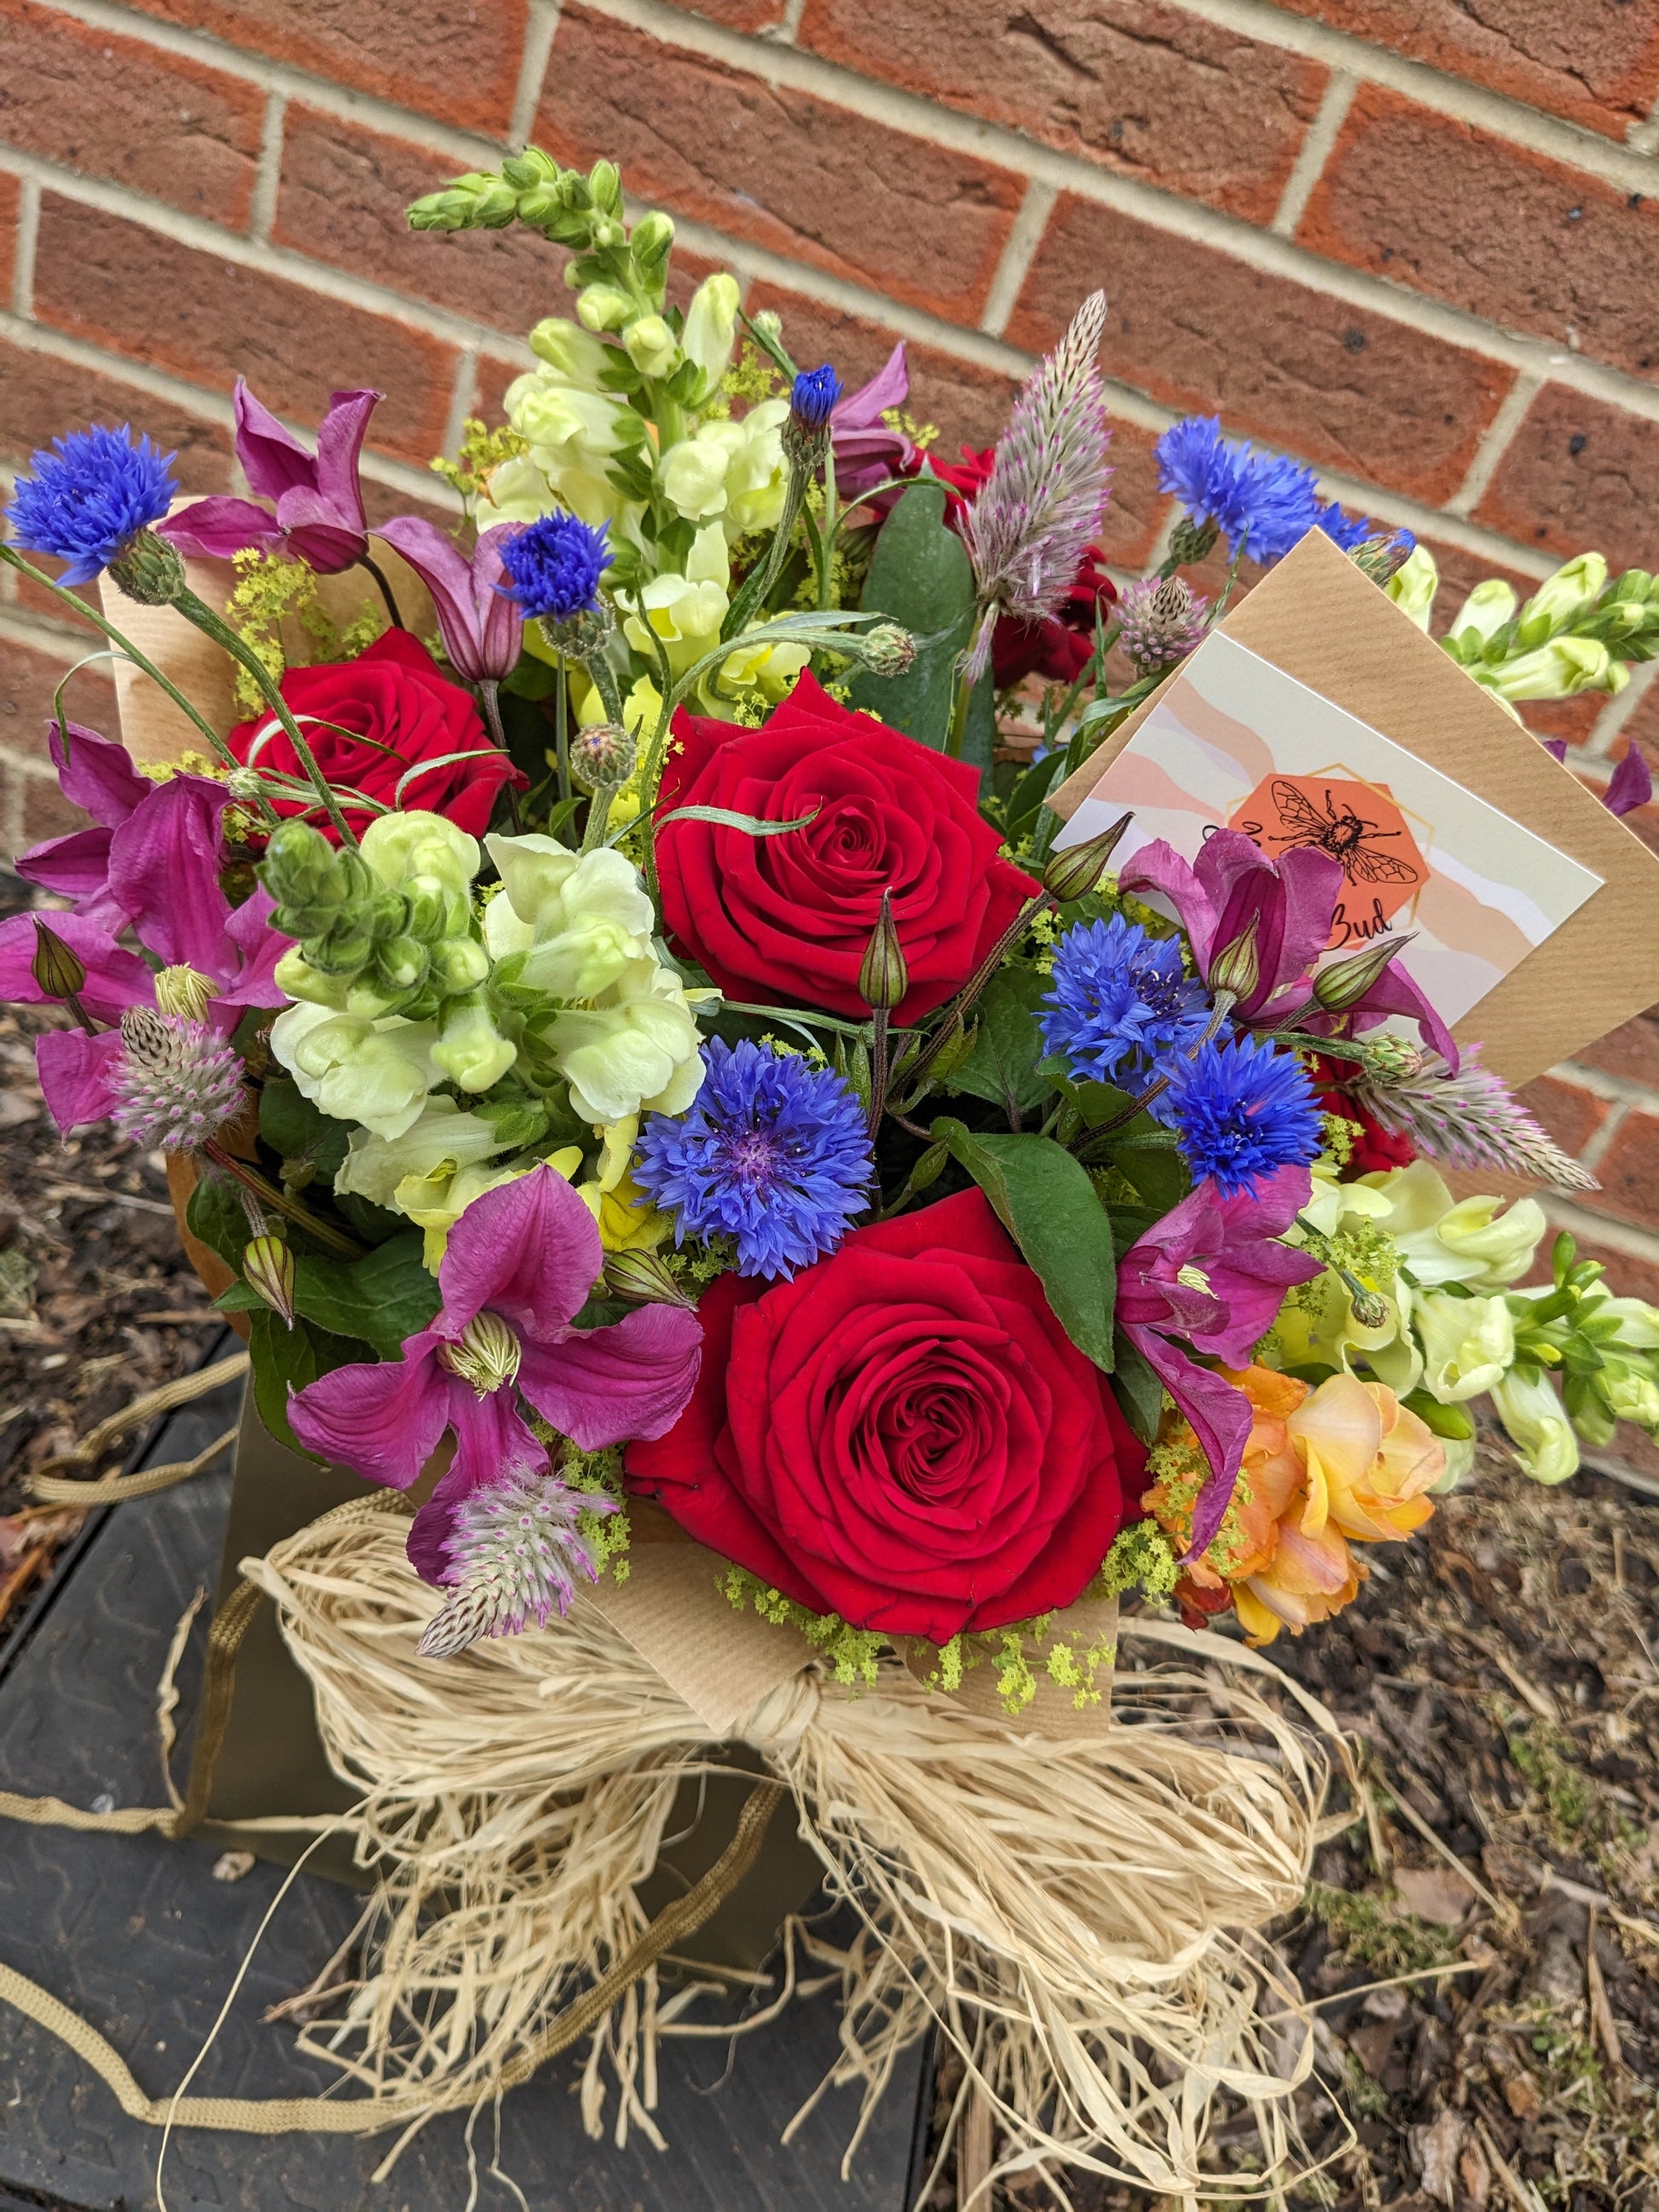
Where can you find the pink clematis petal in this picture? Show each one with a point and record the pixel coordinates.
(74, 1071)
(256, 947)
(164, 866)
(273, 459)
(1631, 784)
(382, 1419)
(1221, 1419)
(483, 629)
(339, 449)
(76, 867)
(95, 772)
(1158, 867)
(632, 1379)
(529, 1250)
(214, 529)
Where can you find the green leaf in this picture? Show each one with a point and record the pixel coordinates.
(921, 576)
(1048, 1206)
(285, 1359)
(1136, 1388)
(1097, 1103)
(215, 1214)
(297, 1130)
(752, 825)
(381, 1298)
(1004, 1063)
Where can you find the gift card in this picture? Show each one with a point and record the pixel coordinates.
(1236, 742)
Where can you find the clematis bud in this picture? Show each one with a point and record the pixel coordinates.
(641, 1279)
(883, 978)
(1075, 871)
(56, 967)
(1345, 982)
(1237, 969)
(268, 1270)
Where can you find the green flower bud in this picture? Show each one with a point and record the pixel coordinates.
(458, 964)
(653, 235)
(1413, 585)
(539, 206)
(449, 210)
(1074, 871)
(641, 1278)
(531, 167)
(883, 977)
(1345, 982)
(150, 569)
(652, 347)
(605, 183)
(1559, 670)
(470, 1050)
(267, 1271)
(1481, 616)
(401, 964)
(56, 967)
(1634, 584)
(1393, 1059)
(1237, 969)
(603, 307)
(1561, 599)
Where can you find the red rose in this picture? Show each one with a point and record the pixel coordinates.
(789, 918)
(1374, 1149)
(405, 712)
(903, 1434)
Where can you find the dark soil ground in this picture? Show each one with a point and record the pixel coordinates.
(1498, 1672)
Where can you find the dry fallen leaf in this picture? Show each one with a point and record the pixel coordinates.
(1434, 1894)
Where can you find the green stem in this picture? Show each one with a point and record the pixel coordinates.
(196, 610)
(561, 733)
(604, 679)
(956, 736)
(364, 561)
(598, 813)
(139, 660)
(827, 531)
(283, 1202)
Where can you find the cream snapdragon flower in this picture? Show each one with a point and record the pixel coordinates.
(377, 1072)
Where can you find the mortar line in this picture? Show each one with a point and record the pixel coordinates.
(788, 29)
(1314, 151)
(1494, 440)
(1015, 260)
(1598, 1139)
(1610, 722)
(27, 237)
(1257, 249)
(462, 401)
(1615, 1090)
(262, 210)
(538, 35)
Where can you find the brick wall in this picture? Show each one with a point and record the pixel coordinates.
(1416, 246)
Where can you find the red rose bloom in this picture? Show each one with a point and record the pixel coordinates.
(393, 696)
(903, 1434)
(789, 918)
(1374, 1149)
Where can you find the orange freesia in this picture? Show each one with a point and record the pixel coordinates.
(1344, 1461)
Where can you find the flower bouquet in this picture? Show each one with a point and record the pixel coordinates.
(787, 1240)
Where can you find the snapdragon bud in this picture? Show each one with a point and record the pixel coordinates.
(652, 347)
(653, 235)
(603, 307)
(1345, 982)
(605, 183)
(1559, 670)
(883, 977)
(471, 1050)
(1481, 616)
(1561, 599)
(1413, 585)
(458, 964)
(1075, 871)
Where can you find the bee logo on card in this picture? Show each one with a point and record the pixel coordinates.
(1360, 827)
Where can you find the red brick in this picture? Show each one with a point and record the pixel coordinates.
(381, 502)
(10, 195)
(1629, 1171)
(1602, 74)
(454, 59)
(739, 14)
(342, 199)
(783, 169)
(29, 675)
(1570, 1114)
(1631, 1051)
(1579, 473)
(42, 397)
(122, 109)
(45, 812)
(1491, 229)
(119, 285)
(1135, 85)
(1340, 385)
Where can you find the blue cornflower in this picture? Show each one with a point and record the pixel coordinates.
(1121, 1001)
(1241, 1109)
(774, 1153)
(1343, 530)
(556, 563)
(813, 397)
(89, 498)
(1261, 501)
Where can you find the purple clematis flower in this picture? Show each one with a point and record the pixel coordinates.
(867, 450)
(161, 874)
(1212, 1276)
(1630, 785)
(1292, 901)
(483, 629)
(99, 777)
(520, 1265)
(318, 501)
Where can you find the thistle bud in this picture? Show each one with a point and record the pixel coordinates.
(602, 756)
(641, 1278)
(1380, 558)
(150, 569)
(56, 967)
(267, 1271)
(1393, 1060)
(1345, 982)
(1370, 1309)
(887, 650)
(1191, 541)
(1237, 969)
(1075, 871)
(883, 978)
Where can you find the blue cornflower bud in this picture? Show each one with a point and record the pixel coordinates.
(554, 564)
(813, 399)
(86, 500)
